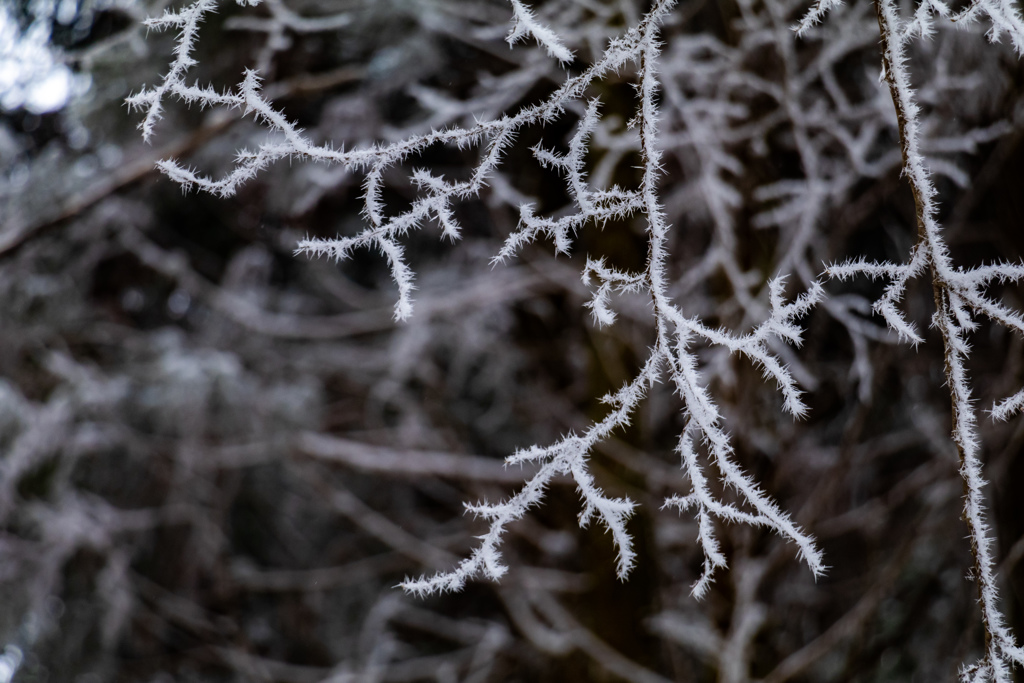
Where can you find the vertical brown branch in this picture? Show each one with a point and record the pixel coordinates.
(939, 292)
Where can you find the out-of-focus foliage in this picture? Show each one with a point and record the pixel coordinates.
(217, 460)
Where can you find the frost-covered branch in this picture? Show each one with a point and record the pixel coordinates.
(959, 298)
(526, 24)
(678, 335)
(673, 351)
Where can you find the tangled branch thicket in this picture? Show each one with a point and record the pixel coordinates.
(196, 424)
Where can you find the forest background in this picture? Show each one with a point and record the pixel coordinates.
(218, 458)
